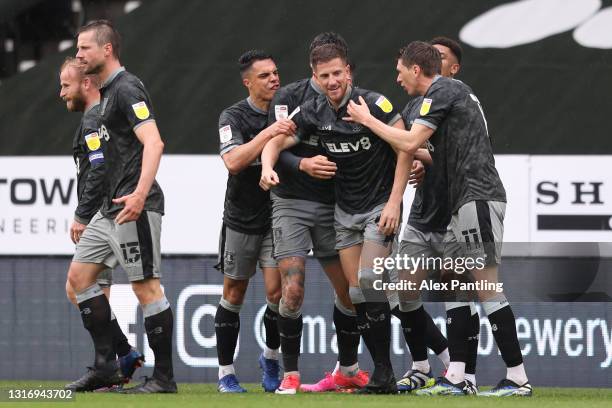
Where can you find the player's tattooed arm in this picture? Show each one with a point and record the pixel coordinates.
(269, 157)
(400, 139)
(242, 156)
(390, 217)
(149, 136)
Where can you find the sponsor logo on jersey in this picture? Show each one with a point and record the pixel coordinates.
(430, 146)
(312, 140)
(225, 134)
(281, 112)
(425, 106)
(384, 104)
(325, 127)
(93, 141)
(350, 147)
(141, 110)
(97, 157)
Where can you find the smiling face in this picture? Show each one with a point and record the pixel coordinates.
(71, 89)
(262, 79)
(333, 77)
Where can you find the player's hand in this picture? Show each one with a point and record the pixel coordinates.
(358, 112)
(133, 204)
(389, 219)
(76, 230)
(268, 179)
(318, 167)
(417, 174)
(282, 127)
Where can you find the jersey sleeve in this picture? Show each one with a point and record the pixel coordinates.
(135, 103)
(383, 110)
(91, 198)
(436, 105)
(230, 135)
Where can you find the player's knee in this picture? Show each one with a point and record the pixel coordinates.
(367, 277)
(274, 295)
(74, 277)
(293, 295)
(147, 291)
(289, 310)
(234, 292)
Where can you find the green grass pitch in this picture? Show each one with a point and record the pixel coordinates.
(206, 396)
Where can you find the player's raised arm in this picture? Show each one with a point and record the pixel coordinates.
(269, 157)
(153, 147)
(399, 139)
(242, 156)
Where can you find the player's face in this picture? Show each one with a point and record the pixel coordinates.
(262, 79)
(407, 77)
(450, 65)
(333, 77)
(89, 53)
(71, 90)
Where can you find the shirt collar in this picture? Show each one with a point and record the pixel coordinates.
(316, 86)
(345, 99)
(255, 108)
(112, 77)
(91, 107)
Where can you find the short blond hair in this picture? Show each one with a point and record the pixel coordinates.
(71, 62)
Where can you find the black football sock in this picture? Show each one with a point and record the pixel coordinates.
(227, 327)
(159, 325)
(347, 336)
(96, 314)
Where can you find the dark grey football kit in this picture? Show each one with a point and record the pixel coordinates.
(125, 106)
(88, 155)
(461, 146)
(246, 235)
(302, 206)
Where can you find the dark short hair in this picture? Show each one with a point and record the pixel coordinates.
(246, 60)
(326, 53)
(451, 45)
(424, 55)
(330, 37)
(105, 33)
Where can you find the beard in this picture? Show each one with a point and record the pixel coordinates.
(76, 104)
(94, 69)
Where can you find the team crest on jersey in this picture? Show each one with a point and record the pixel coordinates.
(425, 107)
(141, 110)
(93, 141)
(281, 112)
(384, 104)
(225, 134)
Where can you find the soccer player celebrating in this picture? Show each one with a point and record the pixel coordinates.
(424, 235)
(80, 92)
(127, 228)
(246, 236)
(452, 122)
(368, 192)
(303, 219)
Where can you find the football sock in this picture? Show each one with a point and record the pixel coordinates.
(227, 327)
(347, 336)
(159, 325)
(122, 347)
(472, 352)
(95, 313)
(270, 320)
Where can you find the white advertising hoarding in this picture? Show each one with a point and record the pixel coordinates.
(550, 199)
